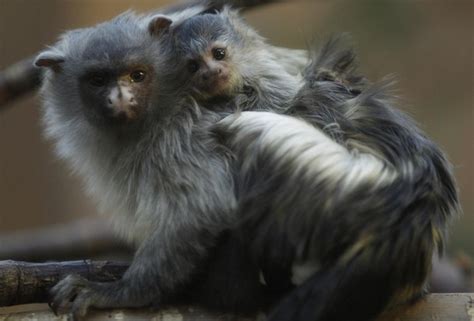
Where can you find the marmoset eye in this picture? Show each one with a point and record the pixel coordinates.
(218, 53)
(137, 76)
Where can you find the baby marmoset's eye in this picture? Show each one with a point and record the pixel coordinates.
(218, 53)
(193, 66)
(137, 75)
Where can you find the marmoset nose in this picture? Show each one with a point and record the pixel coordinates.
(121, 100)
(209, 74)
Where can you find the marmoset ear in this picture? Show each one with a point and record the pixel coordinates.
(159, 24)
(49, 59)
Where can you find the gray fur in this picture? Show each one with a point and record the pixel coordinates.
(165, 177)
(273, 74)
(335, 192)
(162, 177)
(367, 232)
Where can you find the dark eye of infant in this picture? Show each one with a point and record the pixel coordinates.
(218, 53)
(137, 76)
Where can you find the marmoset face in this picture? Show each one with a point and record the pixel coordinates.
(120, 92)
(107, 73)
(210, 72)
(204, 45)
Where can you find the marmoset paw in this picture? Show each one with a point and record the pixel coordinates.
(74, 293)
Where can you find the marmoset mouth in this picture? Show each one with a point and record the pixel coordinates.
(217, 87)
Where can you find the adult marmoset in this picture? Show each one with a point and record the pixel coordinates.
(145, 154)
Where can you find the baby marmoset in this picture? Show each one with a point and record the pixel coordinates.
(218, 56)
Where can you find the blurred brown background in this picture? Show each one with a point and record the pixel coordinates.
(427, 44)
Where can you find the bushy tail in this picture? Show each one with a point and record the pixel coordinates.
(391, 258)
(363, 117)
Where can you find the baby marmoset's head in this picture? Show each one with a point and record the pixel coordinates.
(107, 74)
(215, 54)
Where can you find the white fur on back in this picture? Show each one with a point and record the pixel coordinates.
(308, 149)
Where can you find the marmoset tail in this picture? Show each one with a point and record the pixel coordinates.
(345, 199)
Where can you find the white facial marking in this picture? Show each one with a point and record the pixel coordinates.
(121, 98)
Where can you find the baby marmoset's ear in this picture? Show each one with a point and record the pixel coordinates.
(49, 59)
(159, 24)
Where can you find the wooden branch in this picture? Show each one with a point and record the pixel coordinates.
(217, 4)
(22, 282)
(454, 274)
(91, 237)
(42, 313)
(77, 239)
(244, 4)
(18, 80)
(22, 78)
(436, 307)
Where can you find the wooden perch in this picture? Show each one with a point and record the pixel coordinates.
(22, 77)
(243, 4)
(77, 239)
(42, 313)
(22, 282)
(17, 80)
(92, 237)
(435, 307)
(29, 282)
